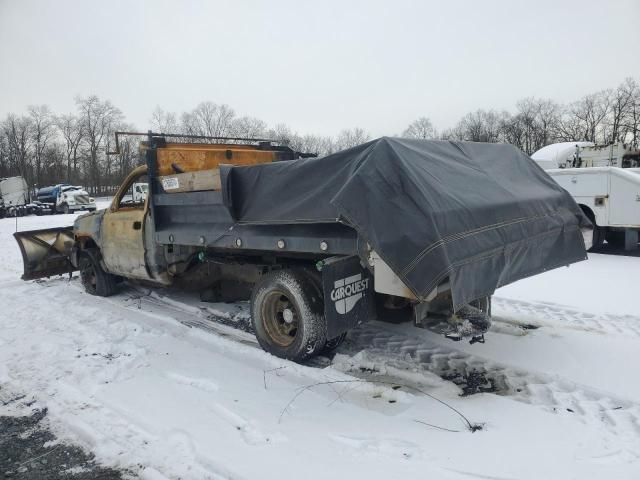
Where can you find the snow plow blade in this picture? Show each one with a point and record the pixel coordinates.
(46, 252)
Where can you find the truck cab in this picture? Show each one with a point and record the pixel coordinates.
(65, 198)
(124, 235)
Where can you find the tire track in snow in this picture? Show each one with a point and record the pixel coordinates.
(390, 346)
(385, 347)
(560, 316)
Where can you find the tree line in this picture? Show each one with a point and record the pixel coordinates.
(46, 148)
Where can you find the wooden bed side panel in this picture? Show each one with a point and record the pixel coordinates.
(190, 158)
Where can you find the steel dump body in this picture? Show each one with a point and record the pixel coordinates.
(202, 217)
(479, 215)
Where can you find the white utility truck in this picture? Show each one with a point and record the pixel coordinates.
(140, 191)
(600, 180)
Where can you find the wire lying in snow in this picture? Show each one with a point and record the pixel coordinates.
(472, 427)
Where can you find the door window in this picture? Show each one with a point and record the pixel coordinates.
(131, 198)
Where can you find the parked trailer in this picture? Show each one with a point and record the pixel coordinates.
(423, 230)
(15, 199)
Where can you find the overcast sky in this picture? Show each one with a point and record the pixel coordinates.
(318, 66)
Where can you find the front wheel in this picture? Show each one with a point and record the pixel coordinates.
(287, 315)
(94, 279)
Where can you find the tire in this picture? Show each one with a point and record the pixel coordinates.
(598, 232)
(598, 237)
(65, 209)
(615, 238)
(287, 315)
(94, 279)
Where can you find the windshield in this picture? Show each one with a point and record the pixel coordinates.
(70, 188)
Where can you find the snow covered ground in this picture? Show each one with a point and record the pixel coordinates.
(153, 382)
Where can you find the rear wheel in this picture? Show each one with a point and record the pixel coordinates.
(287, 315)
(615, 238)
(598, 232)
(94, 279)
(65, 208)
(598, 237)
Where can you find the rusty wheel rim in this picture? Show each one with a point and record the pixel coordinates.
(280, 318)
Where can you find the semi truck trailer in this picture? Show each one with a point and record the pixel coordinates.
(15, 199)
(419, 230)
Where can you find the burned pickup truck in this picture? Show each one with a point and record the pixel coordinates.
(415, 229)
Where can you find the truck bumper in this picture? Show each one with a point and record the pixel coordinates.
(83, 208)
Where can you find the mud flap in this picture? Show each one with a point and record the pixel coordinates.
(348, 294)
(46, 253)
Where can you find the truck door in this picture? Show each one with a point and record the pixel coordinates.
(123, 230)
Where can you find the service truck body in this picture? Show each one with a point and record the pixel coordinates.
(603, 180)
(429, 229)
(610, 197)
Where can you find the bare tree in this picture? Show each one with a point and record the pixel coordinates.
(97, 118)
(585, 118)
(70, 127)
(248, 127)
(351, 137)
(632, 120)
(164, 122)
(480, 126)
(42, 132)
(514, 129)
(318, 144)
(5, 168)
(17, 131)
(281, 134)
(622, 101)
(420, 128)
(533, 126)
(208, 119)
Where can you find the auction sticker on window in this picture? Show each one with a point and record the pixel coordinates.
(170, 183)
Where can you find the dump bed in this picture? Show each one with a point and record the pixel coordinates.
(480, 215)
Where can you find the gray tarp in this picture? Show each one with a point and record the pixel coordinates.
(483, 215)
